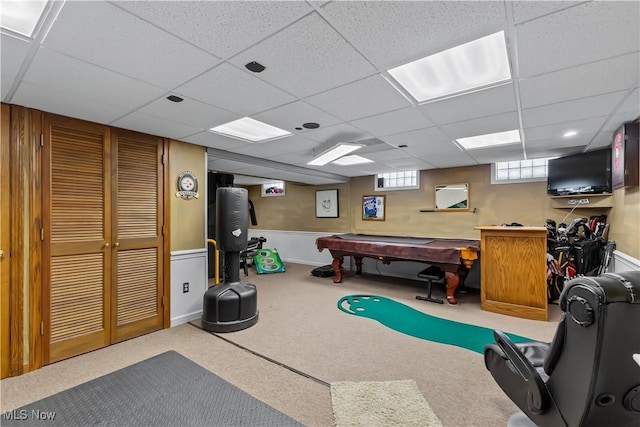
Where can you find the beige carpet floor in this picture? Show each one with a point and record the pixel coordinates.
(302, 343)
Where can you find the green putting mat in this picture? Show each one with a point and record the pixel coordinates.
(405, 319)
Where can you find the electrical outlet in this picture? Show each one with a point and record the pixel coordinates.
(185, 287)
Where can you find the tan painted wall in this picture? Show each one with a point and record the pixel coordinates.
(526, 203)
(187, 216)
(296, 209)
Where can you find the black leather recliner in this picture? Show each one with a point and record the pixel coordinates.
(589, 375)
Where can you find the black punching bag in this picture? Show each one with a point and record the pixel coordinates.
(231, 228)
(232, 305)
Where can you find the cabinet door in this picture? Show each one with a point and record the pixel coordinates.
(76, 252)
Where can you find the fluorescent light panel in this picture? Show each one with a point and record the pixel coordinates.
(335, 152)
(251, 130)
(21, 16)
(471, 65)
(490, 140)
(352, 160)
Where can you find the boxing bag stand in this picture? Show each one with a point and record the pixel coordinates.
(231, 305)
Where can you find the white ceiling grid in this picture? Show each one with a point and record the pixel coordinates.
(575, 66)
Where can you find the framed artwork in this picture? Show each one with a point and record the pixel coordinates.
(327, 204)
(373, 208)
(275, 188)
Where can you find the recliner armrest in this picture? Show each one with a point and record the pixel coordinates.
(528, 378)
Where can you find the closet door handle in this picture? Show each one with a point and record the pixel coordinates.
(116, 244)
(106, 244)
(1, 254)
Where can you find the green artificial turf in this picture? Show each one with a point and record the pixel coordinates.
(407, 320)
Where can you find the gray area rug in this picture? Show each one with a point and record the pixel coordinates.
(165, 390)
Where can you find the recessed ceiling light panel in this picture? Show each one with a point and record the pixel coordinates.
(352, 160)
(21, 16)
(335, 152)
(490, 140)
(475, 64)
(250, 130)
(570, 133)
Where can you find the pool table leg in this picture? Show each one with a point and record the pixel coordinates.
(358, 260)
(453, 280)
(337, 269)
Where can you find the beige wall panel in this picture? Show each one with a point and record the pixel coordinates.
(526, 203)
(187, 216)
(625, 221)
(296, 210)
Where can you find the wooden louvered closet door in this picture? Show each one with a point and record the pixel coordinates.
(77, 219)
(102, 278)
(137, 233)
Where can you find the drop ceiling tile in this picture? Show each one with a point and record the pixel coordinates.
(383, 156)
(588, 32)
(79, 79)
(424, 141)
(497, 154)
(275, 148)
(410, 163)
(342, 132)
(234, 90)
(403, 120)
(615, 121)
(14, 52)
(631, 104)
(552, 152)
(58, 102)
(367, 97)
(482, 126)
(189, 112)
(214, 140)
(394, 33)
(102, 34)
(487, 102)
(586, 129)
(297, 58)
(299, 158)
(594, 106)
(293, 115)
(206, 23)
(526, 10)
(160, 127)
(594, 78)
(450, 160)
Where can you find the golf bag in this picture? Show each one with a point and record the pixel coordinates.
(575, 250)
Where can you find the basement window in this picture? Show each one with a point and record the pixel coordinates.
(405, 180)
(518, 171)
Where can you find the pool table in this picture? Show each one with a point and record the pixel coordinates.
(453, 256)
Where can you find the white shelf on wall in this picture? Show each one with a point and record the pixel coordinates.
(585, 201)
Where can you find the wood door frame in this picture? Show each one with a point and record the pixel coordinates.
(35, 242)
(5, 241)
(19, 136)
(167, 235)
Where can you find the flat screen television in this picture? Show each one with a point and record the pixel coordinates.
(583, 173)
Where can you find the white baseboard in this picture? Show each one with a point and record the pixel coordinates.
(179, 320)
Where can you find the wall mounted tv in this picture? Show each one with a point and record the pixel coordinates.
(583, 173)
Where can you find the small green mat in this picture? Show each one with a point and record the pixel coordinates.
(405, 319)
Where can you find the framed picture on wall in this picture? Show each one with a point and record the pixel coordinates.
(275, 188)
(327, 204)
(373, 208)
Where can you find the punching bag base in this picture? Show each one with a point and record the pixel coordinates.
(230, 307)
